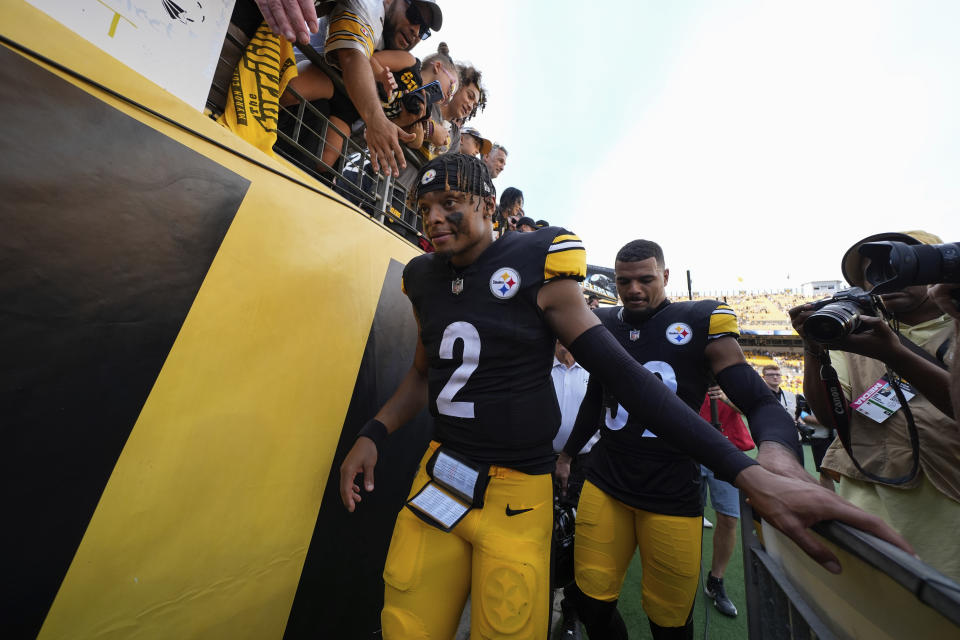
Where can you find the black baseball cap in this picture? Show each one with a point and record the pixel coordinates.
(527, 221)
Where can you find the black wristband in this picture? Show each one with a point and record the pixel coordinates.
(375, 430)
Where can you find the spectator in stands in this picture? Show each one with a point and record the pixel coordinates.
(348, 38)
(469, 99)
(593, 301)
(772, 376)
(526, 225)
(570, 383)
(508, 211)
(925, 507)
(472, 143)
(724, 497)
(542, 223)
(439, 67)
(496, 160)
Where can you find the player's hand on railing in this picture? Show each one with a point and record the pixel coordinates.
(792, 506)
(562, 472)
(290, 18)
(383, 142)
(361, 459)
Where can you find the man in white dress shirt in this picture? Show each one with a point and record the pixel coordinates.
(570, 383)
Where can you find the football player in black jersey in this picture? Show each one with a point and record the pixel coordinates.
(479, 516)
(642, 491)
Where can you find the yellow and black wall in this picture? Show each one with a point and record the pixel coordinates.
(191, 333)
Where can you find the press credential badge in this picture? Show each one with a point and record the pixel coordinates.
(879, 402)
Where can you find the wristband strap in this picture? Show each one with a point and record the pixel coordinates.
(375, 430)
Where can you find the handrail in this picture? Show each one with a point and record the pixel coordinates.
(380, 196)
(929, 585)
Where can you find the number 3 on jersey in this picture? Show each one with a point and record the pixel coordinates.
(660, 369)
(465, 331)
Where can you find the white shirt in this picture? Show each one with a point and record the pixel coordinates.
(787, 400)
(570, 385)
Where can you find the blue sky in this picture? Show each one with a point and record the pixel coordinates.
(753, 140)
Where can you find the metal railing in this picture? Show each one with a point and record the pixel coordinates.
(301, 139)
(783, 603)
(351, 175)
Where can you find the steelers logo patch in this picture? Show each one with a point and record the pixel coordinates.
(505, 283)
(679, 333)
(428, 176)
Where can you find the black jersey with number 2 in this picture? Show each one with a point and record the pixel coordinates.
(629, 462)
(488, 348)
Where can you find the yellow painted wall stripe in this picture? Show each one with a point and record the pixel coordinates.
(203, 527)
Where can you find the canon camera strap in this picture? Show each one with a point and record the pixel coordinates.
(840, 411)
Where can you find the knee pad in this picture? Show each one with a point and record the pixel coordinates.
(507, 593)
(401, 624)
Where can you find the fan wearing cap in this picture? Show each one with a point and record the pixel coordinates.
(480, 514)
(924, 508)
(526, 224)
(348, 36)
(473, 144)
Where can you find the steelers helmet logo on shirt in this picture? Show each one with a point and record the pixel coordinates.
(428, 176)
(505, 283)
(679, 333)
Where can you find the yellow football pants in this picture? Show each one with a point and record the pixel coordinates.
(609, 531)
(504, 560)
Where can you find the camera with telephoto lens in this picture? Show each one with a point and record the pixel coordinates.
(839, 316)
(897, 265)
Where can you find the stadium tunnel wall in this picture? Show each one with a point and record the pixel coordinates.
(192, 334)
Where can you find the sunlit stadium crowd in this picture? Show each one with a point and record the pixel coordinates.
(353, 103)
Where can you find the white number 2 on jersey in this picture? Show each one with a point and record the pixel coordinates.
(666, 374)
(465, 331)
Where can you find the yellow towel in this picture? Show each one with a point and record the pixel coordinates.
(261, 77)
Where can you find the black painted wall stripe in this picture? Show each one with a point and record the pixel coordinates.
(107, 229)
(340, 593)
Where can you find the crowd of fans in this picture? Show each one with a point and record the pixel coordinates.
(369, 98)
(765, 312)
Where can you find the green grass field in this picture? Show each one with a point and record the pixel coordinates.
(708, 622)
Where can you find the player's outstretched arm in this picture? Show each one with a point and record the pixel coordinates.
(405, 403)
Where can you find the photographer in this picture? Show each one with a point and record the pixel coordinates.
(920, 498)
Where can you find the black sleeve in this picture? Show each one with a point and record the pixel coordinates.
(769, 421)
(588, 417)
(654, 405)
